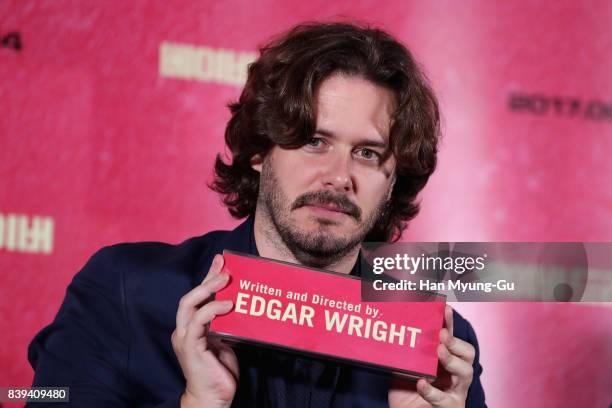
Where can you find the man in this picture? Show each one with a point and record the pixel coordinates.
(333, 136)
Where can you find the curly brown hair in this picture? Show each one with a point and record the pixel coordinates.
(278, 107)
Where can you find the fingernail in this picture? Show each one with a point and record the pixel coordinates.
(426, 385)
(219, 259)
(447, 337)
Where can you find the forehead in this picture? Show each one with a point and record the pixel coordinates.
(354, 106)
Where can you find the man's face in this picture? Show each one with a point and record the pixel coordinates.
(324, 197)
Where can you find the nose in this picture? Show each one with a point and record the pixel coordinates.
(338, 173)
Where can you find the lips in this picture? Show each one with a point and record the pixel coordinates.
(330, 207)
(328, 211)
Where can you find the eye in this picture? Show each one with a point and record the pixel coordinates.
(369, 154)
(315, 142)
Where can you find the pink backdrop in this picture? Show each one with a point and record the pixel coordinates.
(106, 135)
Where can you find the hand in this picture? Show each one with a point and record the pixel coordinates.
(209, 366)
(451, 388)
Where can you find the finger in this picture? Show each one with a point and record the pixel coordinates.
(215, 267)
(214, 271)
(223, 378)
(226, 355)
(189, 302)
(197, 326)
(431, 394)
(458, 368)
(222, 375)
(458, 347)
(448, 319)
(195, 297)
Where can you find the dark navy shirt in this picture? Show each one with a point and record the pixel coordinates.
(110, 341)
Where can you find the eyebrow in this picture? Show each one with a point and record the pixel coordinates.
(360, 142)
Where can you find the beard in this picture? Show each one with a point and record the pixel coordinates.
(322, 246)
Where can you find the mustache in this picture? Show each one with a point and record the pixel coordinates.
(342, 202)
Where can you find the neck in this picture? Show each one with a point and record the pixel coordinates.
(271, 245)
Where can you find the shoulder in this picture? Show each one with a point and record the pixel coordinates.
(463, 329)
(144, 281)
(156, 252)
(137, 262)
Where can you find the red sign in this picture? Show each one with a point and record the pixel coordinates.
(290, 307)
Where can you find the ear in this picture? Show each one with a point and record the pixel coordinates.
(391, 186)
(257, 162)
